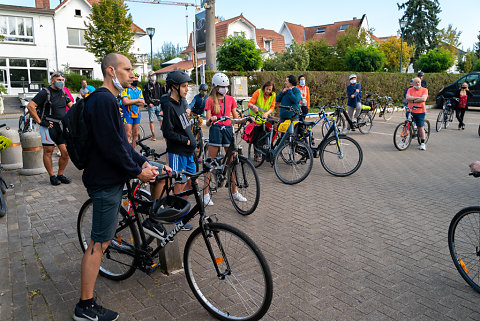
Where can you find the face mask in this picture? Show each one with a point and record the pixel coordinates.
(417, 87)
(222, 91)
(302, 83)
(203, 94)
(464, 87)
(135, 83)
(116, 83)
(59, 84)
(353, 81)
(152, 79)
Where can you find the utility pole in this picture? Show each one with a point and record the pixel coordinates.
(210, 40)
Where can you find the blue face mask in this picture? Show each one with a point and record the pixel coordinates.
(59, 84)
(302, 82)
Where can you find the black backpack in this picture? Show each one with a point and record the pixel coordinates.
(77, 134)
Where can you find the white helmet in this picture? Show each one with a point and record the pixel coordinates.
(352, 76)
(220, 79)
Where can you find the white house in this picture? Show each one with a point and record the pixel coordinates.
(39, 40)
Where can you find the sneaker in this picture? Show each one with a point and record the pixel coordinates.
(94, 312)
(345, 131)
(64, 179)
(423, 147)
(154, 138)
(59, 153)
(54, 180)
(187, 227)
(207, 200)
(154, 229)
(239, 197)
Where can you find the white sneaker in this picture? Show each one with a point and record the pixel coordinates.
(423, 147)
(207, 200)
(345, 131)
(239, 197)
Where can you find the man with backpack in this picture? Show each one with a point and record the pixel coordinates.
(152, 92)
(47, 109)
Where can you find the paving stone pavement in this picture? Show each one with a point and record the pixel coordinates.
(372, 246)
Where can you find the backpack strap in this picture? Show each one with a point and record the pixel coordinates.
(47, 102)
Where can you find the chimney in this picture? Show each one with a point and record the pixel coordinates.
(42, 4)
(354, 18)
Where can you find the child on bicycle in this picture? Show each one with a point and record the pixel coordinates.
(217, 105)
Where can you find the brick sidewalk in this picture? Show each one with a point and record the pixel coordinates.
(372, 246)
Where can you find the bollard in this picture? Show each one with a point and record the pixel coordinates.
(12, 156)
(169, 256)
(32, 153)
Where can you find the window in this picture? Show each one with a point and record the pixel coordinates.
(343, 27)
(78, 13)
(237, 34)
(3, 61)
(321, 29)
(16, 77)
(267, 44)
(18, 62)
(76, 37)
(38, 63)
(471, 80)
(87, 72)
(17, 29)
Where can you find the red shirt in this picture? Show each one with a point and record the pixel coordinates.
(226, 106)
(462, 103)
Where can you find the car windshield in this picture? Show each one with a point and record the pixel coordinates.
(471, 80)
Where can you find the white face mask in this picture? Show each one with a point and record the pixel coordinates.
(117, 83)
(302, 83)
(222, 90)
(417, 87)
(353, 81)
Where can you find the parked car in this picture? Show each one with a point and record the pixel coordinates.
(473, 81)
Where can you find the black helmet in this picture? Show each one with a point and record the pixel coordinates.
(420, 74)
(300, 76)
(177, 77)
(169, 209)
(203, 87)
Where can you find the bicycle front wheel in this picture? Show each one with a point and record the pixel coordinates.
(119, 260)
(388, 112)
(293, 162)
(440, 121)
(464, 244)
(342, 157)
(402, 137)
(364, 123)
(242, 288)
(244, 186)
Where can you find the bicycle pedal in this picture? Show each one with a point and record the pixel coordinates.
(152, 268)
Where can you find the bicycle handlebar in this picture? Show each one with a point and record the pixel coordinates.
(475, 174)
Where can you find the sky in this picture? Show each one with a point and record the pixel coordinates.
(382, 15)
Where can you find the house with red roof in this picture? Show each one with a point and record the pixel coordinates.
(39, 40)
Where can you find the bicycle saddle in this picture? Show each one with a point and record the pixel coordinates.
(169, 209)
(308, 123)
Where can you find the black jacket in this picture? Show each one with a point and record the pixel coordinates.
(112, 160)
(153, 92)
(176, 126)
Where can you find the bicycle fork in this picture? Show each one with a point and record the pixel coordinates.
(216, 260)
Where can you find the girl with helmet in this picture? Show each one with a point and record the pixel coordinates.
(220, 104)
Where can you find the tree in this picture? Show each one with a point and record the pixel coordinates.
(449, 39)
(167, 52)
(320, 54)
(468, 65)
(294, 58)
(109, 29)
(350, 38)
(477, 46)
(364, 59)
(436, 60)
(476, 66)
(238, 53)
(391, 48)
(421, 30)
(272, 63)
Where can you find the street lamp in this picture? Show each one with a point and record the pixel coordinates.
(402, 24)
(150, 33)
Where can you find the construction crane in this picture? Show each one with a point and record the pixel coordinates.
(170, 3)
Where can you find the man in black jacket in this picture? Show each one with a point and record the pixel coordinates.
(112, 161)
(152, 92)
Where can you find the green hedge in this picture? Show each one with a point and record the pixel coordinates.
(326, 85)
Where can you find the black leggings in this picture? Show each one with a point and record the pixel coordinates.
(460, 113)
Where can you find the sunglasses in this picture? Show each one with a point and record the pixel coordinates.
(57, 74)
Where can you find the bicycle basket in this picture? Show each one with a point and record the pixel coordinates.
(169, 209)
(5, 142)
(283, 127)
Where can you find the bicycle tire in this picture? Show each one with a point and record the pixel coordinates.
(426, 127)
(364, 123)
(388, 112)
(448, 118)
(141, 132)
(290, 162)
(440, 121)
(340, 122)
(243, 293)
(199, 147)
(465, 252)
(3, 205)
(245, 186)
(344, 154)
(404, 138)
(124, 244)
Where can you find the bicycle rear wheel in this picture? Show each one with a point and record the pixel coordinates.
(388, 112)
(341, 158)
(119, 260)
(141, 132)
(426, 127)
(243, 290)
(464, 244)
(448, 118)
(402, 137)
(246, 181)
(293, 162)
(440, 121)
(364, 123)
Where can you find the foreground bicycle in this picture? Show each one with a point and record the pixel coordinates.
(445, 116)
(464, 243)
(225, 269)
(404, 132)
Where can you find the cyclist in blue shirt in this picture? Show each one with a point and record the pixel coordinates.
(289, 96)
(131, 99)
(197, 105)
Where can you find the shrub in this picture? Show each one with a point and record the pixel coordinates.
(364, 59)
(436, 60)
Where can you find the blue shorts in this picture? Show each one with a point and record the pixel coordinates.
(180, 163)
(419, 119)
(220, 135)
(106, 202)
(154, 111)
(130, 120)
